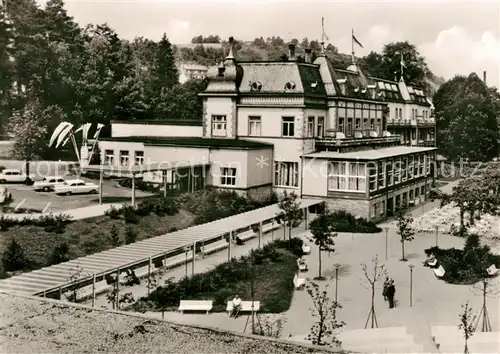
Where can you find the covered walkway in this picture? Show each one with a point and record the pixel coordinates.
(93, 268)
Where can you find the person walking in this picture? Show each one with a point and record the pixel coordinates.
(386, 285)
(391, 291)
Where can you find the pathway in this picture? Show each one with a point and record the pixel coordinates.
(201, 265)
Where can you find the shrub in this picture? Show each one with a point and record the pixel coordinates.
(113, 212)
(59, 254)
(114, 237)
(347, 222)
(129, 215)
(130, 235)
(140, 185)
(13, 257)
(294, 245)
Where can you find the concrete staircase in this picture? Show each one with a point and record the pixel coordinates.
(380, 340)
(449, 339)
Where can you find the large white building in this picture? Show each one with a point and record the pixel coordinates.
(306, 128)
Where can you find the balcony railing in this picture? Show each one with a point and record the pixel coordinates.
(411, 122)
(332, 142)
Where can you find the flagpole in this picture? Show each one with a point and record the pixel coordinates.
(352, 44)
(322, 34)
(401, 63)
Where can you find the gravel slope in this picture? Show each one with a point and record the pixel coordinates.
(30, 325)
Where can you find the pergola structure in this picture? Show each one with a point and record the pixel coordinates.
(58, 278)
(133, 171)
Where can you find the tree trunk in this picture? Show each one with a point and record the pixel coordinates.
(319, 271)
(289, 236)
(28, 180)
(462, 212)
(471, 216)
(402, 250)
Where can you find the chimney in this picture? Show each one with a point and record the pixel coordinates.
(291, 52)
(484, 77)
(308, 55)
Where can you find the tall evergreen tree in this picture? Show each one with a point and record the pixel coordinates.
(165, 72)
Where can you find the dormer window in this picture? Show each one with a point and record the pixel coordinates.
(290, 86)
(314, 85)
(363, 90)
(342, 83)
(356, 89)
(372, 90)
(255, 86)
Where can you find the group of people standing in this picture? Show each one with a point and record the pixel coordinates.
(389, 291)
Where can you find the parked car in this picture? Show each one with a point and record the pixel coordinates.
(76, 186)
(10, 175)
(48, 184)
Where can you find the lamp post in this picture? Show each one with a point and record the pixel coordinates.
(337, 267)
(411, 266)
(437, 234)
(386, 241)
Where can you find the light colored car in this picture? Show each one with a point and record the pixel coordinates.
(76, 186)
(10, 175)
(48, 183)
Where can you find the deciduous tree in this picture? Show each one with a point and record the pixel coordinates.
(466, 324)
(291, 212)
(323, 232)
(13, 257)
(404, 229)
(324, 310)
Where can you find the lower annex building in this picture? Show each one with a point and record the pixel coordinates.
(307, 128)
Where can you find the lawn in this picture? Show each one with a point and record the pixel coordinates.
(87, 236)
(272, 281)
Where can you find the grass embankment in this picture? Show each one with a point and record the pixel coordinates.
(270, 276)
(153, 217)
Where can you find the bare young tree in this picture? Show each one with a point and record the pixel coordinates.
(323, 331)
(485, 288)
(118, 300)
(405, 230)
(467, 319)
(155, 278)
(271, 326)
(373, 278)
(75, 275)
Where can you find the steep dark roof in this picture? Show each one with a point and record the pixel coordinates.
(193, 142)
(273, 77)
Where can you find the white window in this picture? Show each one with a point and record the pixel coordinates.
(321, 127)
(397, 171)
(219, 125)
(310, 127)
(288, 128)
(124, 158)
(337, 176)
(404, 174)
(139, 157)
(416, 166)
(390, 175)
(286, 174)
(254, 126)
(228, 176)
(410, 167)
(425, 161)
(373, 176)
(381, 174)
(109, 157)
(356, 177)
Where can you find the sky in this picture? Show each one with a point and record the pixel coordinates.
(456, 37)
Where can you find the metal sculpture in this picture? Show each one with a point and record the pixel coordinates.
(65, 132)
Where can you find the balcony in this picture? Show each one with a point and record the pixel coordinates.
(351, 144)
(429, 122)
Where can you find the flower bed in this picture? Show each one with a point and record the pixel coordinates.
(227, 279)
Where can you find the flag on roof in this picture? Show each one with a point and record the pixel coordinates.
(355, 40)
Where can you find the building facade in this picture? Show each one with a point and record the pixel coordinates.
(190, 71)
(307, 128)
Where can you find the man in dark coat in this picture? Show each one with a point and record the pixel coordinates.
(386, 285)
(391, 291)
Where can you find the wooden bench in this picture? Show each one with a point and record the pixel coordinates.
(493, 270)
(214, 247)
(177, 260)
(270, 227)
(86, 292)
(439, 272)
(302, 265)
(246, 235)
(299, 283)
(246, 306)
(195, 305)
